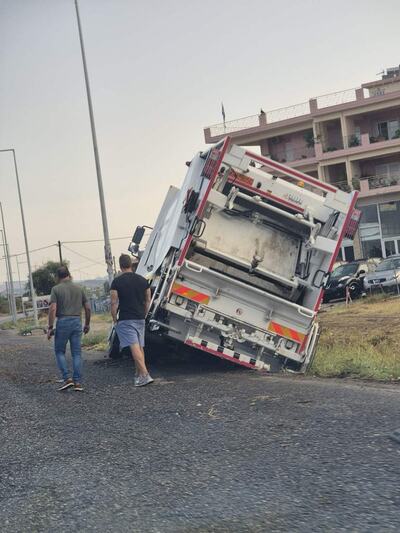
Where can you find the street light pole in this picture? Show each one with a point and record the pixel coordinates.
(8, 277)
(28, 259)
(107, 244)
(9, 270)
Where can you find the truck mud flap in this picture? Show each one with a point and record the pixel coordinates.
(225, 353)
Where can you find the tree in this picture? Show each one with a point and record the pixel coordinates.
(44, 277)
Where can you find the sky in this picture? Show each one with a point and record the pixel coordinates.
(159, 70)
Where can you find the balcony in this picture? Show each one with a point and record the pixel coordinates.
(379, 184)
(379, 181)
(384, 136)
(291, 148)
(299, 113)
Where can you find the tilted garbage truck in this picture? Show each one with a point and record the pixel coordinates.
(239, 256)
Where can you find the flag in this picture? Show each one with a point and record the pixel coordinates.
(223, 111)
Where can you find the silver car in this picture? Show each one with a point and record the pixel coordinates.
(386, 275)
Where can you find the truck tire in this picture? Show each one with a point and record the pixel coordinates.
(113, 346)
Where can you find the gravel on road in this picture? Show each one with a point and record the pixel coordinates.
(208, 447)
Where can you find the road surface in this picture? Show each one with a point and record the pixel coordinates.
(208, 447)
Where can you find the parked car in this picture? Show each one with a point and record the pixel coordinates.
(386, 275)
(349, 275)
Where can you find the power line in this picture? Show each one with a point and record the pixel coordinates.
(31, 251)
(95, 240)
(84, 256)
(66, 242)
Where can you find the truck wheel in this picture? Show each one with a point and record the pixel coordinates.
(113, 346)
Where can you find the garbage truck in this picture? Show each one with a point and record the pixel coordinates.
(239, 256)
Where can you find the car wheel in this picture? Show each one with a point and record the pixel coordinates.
(355, 290)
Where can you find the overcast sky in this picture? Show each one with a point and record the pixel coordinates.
(158, 70)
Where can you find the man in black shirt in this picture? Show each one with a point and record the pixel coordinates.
(130, 300)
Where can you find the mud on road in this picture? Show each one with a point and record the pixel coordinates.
(208, 447)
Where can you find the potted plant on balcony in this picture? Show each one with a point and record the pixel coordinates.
(309, 139)
(354, 141)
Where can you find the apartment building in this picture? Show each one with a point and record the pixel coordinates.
(350, 139)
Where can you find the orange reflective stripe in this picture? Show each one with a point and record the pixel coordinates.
(289, 333)
(240, 178)
(190, 294)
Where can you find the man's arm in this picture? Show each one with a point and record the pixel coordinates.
(88, 313)
(114, 304)
(52, 317)
(147, 301)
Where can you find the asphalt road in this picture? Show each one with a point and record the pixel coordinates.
(208, 447)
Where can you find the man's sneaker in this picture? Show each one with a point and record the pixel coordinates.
(78, 387)
(141, 381)
(66, 385)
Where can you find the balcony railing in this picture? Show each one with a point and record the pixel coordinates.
(239, 124)
(331, 144)
(373, 138)
(332, 99)
(352, 140)
(290, 112)
(381, 180)
(253, 121)
(288, 156)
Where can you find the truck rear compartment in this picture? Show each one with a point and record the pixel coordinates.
(206, 306)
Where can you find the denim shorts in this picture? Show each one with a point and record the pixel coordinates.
(130, 332)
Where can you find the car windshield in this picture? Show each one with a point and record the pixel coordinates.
(344, 270)
(388, 264)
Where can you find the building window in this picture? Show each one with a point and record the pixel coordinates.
(388, 129)
(372, 248)
(390, 219)
(369, 214)
(349, 253)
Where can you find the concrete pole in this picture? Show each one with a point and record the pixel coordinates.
(13, 309)
(107, 244)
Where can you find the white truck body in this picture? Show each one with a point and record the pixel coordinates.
(238, 258)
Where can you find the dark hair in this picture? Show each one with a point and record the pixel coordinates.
(125, 261)
(63, 272)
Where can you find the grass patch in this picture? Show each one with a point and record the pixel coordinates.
(7, 325)
(360, 340)
(95, 341)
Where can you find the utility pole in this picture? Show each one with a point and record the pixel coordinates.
(107, 244)
(13, 308)
(28, 259)
(8, 277)
(60, 252)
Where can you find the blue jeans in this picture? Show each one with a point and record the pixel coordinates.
(69, 328)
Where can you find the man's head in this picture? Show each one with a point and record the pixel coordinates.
(125, 262)
(63, 273)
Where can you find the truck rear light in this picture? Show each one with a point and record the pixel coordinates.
(179, 300)
(289, 345)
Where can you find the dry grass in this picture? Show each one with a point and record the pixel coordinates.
(361, 340)
(97, 338)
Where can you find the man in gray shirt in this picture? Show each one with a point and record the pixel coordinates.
(66, 302)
